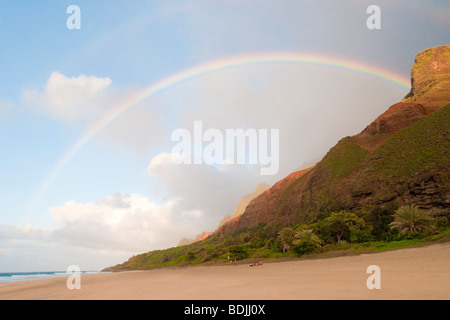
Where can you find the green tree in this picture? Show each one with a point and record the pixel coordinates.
(410, 219)
(380, 218)
(307, 235)
(286, 237)
(237, 252)
(344, 226)
(304, 247)
(306, 241)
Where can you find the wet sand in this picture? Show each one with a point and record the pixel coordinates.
(414, 273)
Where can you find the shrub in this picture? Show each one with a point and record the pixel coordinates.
(256, 242)
(238, 252)
(190, 256)
(277, 244)
(304, 247)
(380, 218)
(342, 243)
(306, 241)
(442, 223)
(270, 243)
(361, 234)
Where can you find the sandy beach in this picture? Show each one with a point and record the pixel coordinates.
(414, 273)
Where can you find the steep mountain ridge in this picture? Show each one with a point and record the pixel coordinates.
(347, 177)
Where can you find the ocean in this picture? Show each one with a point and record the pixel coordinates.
(26, 276)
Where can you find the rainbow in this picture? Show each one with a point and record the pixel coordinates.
(203, 69)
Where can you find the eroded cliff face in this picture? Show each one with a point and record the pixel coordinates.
(402, 157)
(430, 91)
(427, 191)
(397, 117)
(430, 78)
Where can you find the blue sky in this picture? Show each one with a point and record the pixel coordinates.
(55, 82)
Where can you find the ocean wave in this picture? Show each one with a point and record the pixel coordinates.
(26, 276)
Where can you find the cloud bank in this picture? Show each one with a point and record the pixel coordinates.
(117, 226)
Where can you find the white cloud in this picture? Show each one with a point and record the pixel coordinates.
(80, 101)
(116, 226)
(71, 99)
(127, 222)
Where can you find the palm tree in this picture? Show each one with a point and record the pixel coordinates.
(410, 219)
(287, 237)
(309, 236)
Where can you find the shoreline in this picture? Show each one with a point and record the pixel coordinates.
(412, 273)
(24, 276)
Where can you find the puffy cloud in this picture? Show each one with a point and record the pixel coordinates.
(80, 101)
(71, 99)
(126, 222)
(117, 226)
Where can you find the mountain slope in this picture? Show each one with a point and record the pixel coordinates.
(411, 166)
(400, 158)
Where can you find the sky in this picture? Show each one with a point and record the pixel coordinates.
(87, 115)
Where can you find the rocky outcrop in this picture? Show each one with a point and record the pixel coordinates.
(430, 78)
(430, 190)
(430, 90)
(430, 66)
